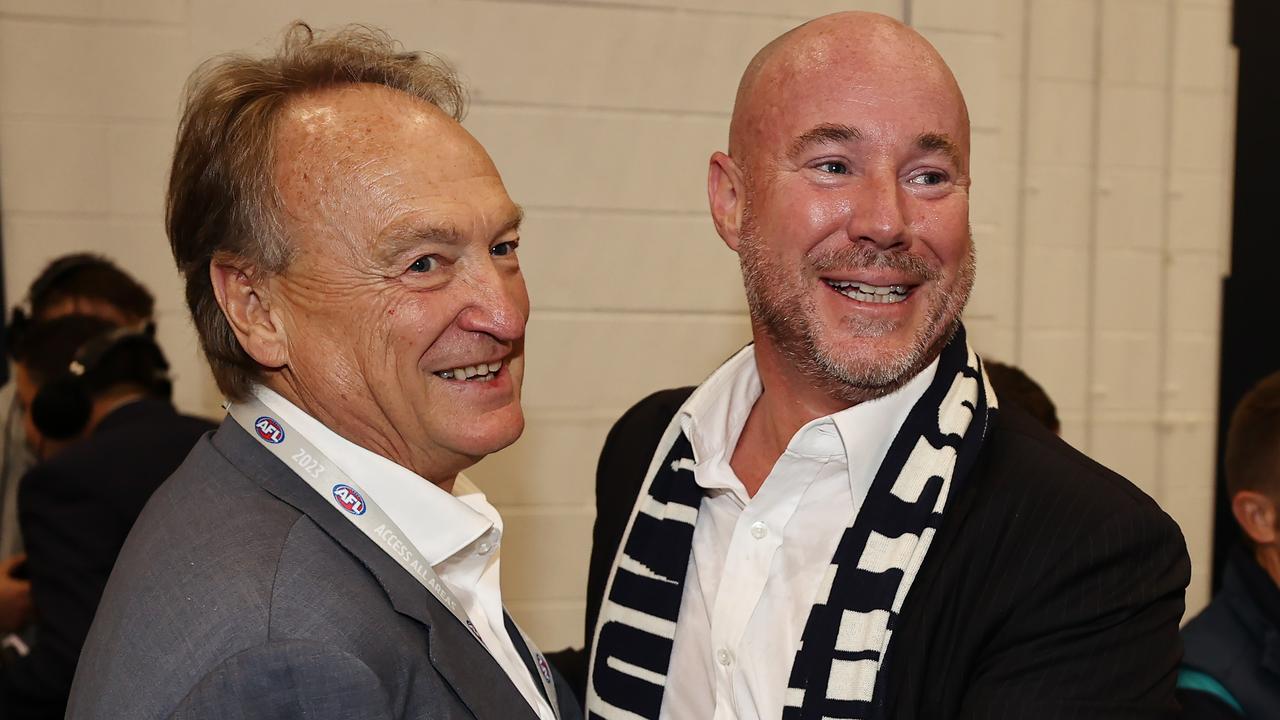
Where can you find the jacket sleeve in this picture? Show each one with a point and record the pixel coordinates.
(67, 567)
(284, 680)
(1097, 635)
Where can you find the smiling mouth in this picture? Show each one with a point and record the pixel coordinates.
(484, 372)
(863, 292)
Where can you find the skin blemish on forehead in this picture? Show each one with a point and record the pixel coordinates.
(313, 119)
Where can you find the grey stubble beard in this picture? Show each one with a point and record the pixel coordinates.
(782, 308)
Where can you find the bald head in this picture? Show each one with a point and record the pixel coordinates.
(874, 55)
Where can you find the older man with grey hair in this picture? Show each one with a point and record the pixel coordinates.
(350, 257)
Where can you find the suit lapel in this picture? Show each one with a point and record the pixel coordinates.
(525, 653)
(464, 663)
(483, 686)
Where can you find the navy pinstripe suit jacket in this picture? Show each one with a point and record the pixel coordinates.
(1053, 589)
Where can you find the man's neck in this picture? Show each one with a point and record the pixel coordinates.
(1268, 556)
(109, 402)
(350, 427)
(787, 402)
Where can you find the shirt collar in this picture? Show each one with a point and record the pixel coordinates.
(868, 429)
(713, 416)
(437, 523)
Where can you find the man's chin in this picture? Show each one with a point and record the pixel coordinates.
(489, 434)
(874, 364)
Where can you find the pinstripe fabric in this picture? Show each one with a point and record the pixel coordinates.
(1055, 593)
(835, 670)
(1053, 589)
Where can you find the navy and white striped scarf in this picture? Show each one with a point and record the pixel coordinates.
(836, 671)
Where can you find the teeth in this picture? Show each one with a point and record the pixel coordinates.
(867, 289)
(868, 298)
(482, 372)
(863, 292)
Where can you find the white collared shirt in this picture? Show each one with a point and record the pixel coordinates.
(759, 563)
(458, 534)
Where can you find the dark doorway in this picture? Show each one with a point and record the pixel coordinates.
(1250, 331)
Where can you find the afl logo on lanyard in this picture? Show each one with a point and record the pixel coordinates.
(349, 499)
(269, 430)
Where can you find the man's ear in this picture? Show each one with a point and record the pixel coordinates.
(245, 300)
(726, 194)
(1256, 515)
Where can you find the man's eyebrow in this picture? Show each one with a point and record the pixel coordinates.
(517, 218)
(938, 142)
(403, 239)
(826, 134)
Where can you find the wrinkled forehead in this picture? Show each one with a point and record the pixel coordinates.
(372, 133)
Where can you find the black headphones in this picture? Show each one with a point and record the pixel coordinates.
(62, 405)
(58, 270)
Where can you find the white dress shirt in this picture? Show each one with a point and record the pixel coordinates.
(759, 563)
(458, 534)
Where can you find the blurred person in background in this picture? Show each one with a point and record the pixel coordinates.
(1013, 385)
(1231, 668)
(350, 259)
(96, 400)
(79, 284)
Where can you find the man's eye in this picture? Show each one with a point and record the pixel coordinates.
(834, 167)
(504, 248)
(426, 263)
(928, 178)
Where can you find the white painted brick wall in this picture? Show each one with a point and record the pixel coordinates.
(1102, 136)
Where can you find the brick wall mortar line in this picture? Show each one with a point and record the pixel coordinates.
(599, 109)
(1091, 250)
(1020, 218)
(126, 23)
(607, 210)
(1163, 328)
(657, 314)
(989, 34)
(666, 9)
(89, 120)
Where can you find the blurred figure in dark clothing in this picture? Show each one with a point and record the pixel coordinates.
(1231, 668)
(75, 284)
(1014, 386)
(96, 401)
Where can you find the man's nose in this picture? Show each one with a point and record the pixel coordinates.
(498, 305)
(878, 212)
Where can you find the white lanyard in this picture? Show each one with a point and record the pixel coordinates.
(326, 478)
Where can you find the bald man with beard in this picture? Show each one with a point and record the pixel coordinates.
(842, 521)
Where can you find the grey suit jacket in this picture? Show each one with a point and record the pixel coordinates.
(241, 593)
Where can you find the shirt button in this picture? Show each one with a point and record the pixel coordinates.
(759, 530)
(488, 542)
(724, 657)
